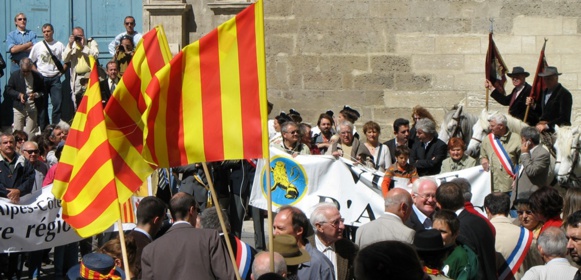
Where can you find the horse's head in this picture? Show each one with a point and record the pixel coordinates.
(567, 148)
(479, 130)
(450, 125)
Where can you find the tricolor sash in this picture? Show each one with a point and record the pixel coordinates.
(516, 258)
(243, 258)
(502, 156)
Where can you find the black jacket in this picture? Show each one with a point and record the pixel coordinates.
(22, 178)
(17, 85)
(428, 161)
(518, 108)
(557, 111)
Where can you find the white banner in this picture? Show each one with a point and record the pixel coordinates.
(35, 223)
(304, 181)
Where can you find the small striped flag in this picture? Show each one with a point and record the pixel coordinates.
(84, 178)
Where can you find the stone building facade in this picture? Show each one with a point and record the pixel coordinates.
(383, 57)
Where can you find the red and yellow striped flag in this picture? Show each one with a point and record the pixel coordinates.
(84, 179)
(209, 103)
(124, 112)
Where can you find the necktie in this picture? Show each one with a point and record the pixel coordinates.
(113, 86)
(163, 179)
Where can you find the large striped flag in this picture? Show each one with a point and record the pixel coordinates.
(84, 179)
(209, 103)
(91, 207)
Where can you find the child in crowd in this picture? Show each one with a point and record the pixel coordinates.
(400, 169)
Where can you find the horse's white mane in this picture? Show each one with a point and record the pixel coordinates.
(513, 124)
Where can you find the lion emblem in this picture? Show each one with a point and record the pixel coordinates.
(281, 180)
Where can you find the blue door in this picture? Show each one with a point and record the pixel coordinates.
(101, 19)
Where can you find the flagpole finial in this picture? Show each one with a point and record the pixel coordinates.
(491, 25)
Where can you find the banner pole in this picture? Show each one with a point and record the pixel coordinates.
(269, 214)
(487, 93)
(122, 241)
(221, 218)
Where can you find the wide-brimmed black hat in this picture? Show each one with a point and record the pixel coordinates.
(96, 266)
(549, 71)
(518, 71)
(430, 241)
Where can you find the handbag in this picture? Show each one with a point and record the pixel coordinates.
(56, 61)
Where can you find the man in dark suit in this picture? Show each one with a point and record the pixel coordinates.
(150, 216)
(517, 99)
(328, 239)
(202, 248)
(555, 102)
(401, 130)
(424, 196)
(108, 85)
(429, 152)
(535, 161)
(474, 231)
(25, 88)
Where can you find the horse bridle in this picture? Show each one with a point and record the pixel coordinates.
(571, 175)
(457, 128)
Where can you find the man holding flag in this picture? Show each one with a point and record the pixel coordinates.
(516, 100)
(555, 102)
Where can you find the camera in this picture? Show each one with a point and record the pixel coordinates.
(78, 38)
(121, 48)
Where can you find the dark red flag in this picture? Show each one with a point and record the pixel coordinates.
(538, 83)
(495, 68)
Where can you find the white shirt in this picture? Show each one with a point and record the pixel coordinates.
(144, 232)
(427, 222)
(40, 55)
(329, 252)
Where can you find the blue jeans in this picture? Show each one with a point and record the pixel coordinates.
(53, 86)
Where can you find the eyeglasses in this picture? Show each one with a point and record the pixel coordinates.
(293, 132)
(21, 19)
(18, 139)
(427, 196)
(31, 151)
(336, 223)
(129, 23)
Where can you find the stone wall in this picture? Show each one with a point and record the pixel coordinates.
(383, 57)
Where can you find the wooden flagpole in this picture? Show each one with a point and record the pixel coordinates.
(269, 213)
(122, 241)
(221, 218)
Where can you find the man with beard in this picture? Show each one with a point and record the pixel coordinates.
(574, 239)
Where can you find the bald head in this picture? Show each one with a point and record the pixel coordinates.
(399, 202)
(261, 264)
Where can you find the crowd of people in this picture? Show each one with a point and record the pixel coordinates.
(526, 229)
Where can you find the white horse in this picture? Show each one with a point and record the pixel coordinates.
(568, 146)
(480, 129)
(457, 124)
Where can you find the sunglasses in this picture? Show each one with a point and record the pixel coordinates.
(21, 19)
(18, 139)
(130, 23)
(32, 151)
